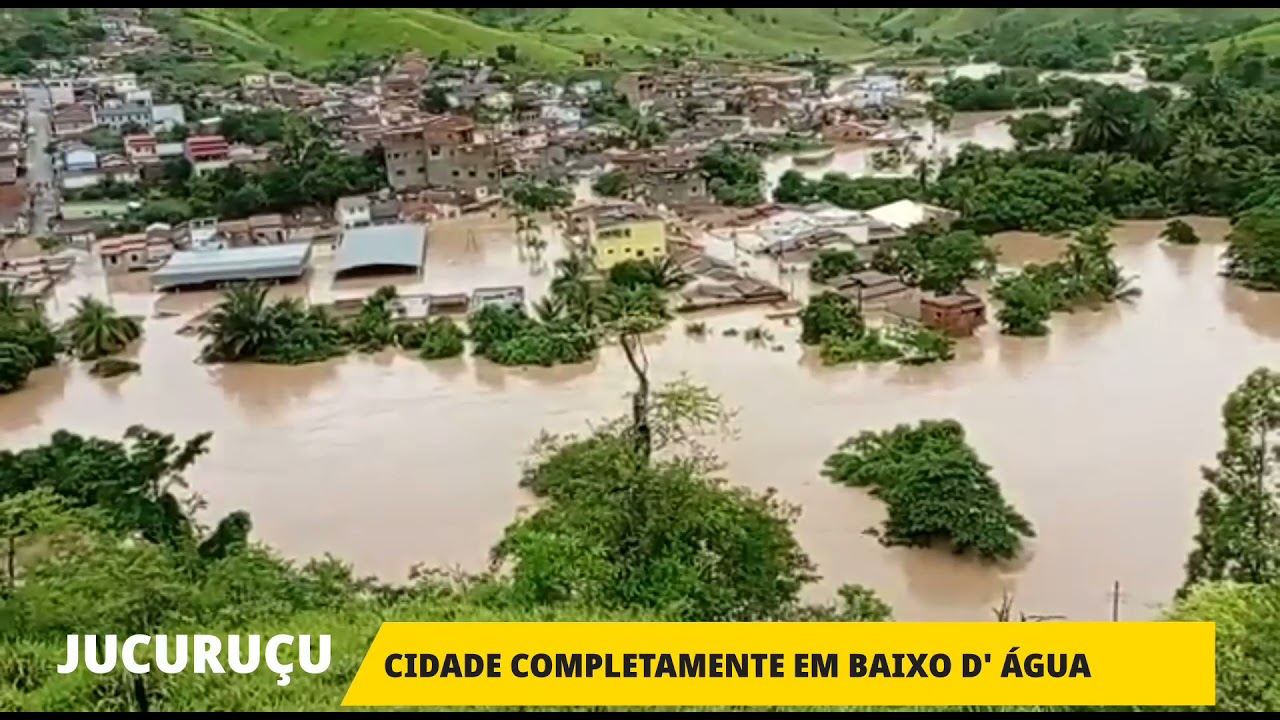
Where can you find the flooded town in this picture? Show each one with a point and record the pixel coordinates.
(469, 190)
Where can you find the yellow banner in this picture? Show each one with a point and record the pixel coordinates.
(787, 664)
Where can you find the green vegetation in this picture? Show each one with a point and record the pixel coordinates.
(1239, 538)
(1010, 90)
(95, 330)
(44, 33)
(246, 327)
(1253, 249)
(441, 338)
(1036, 130)
(835, 324)
(27, 340)
(1085, 274)
(832, 263)
(1179, 232)
(306, 170)
(861, 193)
(534, 197)
(830, 315)
(539, 36)
(936, 259)
(734, 177)
(937, 490)
(615, 183)
(507, 336)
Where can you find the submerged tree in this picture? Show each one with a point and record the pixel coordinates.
(96, 330)
(1239, 536)
(1253, 249)
(1179, 232)
(936, 488)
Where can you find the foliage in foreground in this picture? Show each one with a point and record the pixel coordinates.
(937, 490)
(1253, 249)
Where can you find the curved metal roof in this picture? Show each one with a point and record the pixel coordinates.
(400, 246)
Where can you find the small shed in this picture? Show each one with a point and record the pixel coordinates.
(957, 315)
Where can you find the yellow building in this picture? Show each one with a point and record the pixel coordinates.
(626, 233)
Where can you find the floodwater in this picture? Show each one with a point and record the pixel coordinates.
(1096, 433)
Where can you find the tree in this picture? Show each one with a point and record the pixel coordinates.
(735, 178)
(508, 54)
(793, 187)
(1036, 130)
(16, 364)
(661, 273)
(95, 330)
(1179, 232)
(615, 183)
(1239, 536)
(435, 99)
(832, 263)
(830, 314)
(1253, 249)
(1026, 305)
(240, 325)
(940, 116)
(616, 530)
(442, 339)
(936, 489)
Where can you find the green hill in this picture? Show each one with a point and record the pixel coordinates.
(556, 36)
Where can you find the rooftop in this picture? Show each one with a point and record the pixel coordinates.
(608, 217)
(402, 246)
(262, 262)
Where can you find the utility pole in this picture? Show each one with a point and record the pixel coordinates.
(1115, 602)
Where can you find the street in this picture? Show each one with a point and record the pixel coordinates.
(40, 180)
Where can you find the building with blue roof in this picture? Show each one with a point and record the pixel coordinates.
(217, 266)
(381, 249)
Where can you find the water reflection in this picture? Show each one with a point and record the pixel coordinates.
(265, 391)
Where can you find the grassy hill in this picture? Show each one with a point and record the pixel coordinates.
(556, 36)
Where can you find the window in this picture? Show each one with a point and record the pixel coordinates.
(400, 173)
(471, 173)
(457, 173)
(639, 253)
(435, 151)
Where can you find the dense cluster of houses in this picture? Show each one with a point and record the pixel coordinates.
(482, 131)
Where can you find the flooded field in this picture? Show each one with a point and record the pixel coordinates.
(1096, 432)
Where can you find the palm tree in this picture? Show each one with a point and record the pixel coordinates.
(549, 308)
(940, 116)
(666, 274)
(240, 326)
(95, 330)
(1100, 125)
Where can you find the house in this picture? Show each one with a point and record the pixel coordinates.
(870, 287)
(134, 253)
(62, 91)
(957, 315)
(138, 97)
(206, 148)
(73, 119)
(11, 95)
(849, 131)
(120, 116)
(140, 147)
(384, 211)
(353, 212)
(215, 266)
(906, 213)
(167, 116)
(13, 210)
(621, 233)
(80, 159)
(267, 229)
(507, 296)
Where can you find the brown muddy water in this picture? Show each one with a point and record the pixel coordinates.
(1096, 433)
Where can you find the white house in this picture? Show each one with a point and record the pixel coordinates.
(353, 211)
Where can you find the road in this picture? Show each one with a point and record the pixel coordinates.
(40, 179)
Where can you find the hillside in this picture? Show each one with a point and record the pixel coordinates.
(556, 36)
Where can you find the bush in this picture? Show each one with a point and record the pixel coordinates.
(1180, 233)
(16, 364)
(832, 263)
(935, 487)
(442, 338)
(829, 314)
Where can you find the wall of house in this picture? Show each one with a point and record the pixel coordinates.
(406, 163)
(630, 241)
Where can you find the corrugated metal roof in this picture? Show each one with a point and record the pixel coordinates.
(402, 245)
(196, 267)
